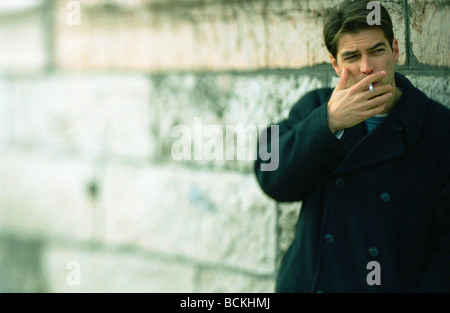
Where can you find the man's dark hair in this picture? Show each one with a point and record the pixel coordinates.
(350, 18)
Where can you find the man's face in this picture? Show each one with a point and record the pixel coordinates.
(365, 53)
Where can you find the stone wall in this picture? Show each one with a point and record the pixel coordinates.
(91, 197)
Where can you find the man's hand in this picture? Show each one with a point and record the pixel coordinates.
(348, 107)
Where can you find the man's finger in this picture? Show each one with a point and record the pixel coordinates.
(364, 83)
(378, 90)
(342, 83)
(379, 100)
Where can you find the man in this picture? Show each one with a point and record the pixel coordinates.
(369, 160)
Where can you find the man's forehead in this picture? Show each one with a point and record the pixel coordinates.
(364, 39)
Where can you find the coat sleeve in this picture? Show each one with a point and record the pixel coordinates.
(304, 147)
(435, 275)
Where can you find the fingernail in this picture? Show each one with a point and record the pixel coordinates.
(383, 72)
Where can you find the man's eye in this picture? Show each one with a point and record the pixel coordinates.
(379, 50)
(350, 57)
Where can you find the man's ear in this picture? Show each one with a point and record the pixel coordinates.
(335, 65)
(396, 50)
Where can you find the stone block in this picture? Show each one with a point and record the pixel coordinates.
(294, 36)
(20, 270)
(6, 114)
(237, 105)
(42, 197)
(12, 7)
(162, 36)
(81, 270)
(22, 37)
(437, 88)
(224, 281)
(430, 38)
(213, 217)
(96, 115)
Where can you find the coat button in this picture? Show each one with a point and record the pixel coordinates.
(373, 251)
(339, 183)
(385, 197)
(329, 238)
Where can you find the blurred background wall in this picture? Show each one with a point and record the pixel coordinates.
(91, 198)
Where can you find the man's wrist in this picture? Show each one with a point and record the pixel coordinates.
(332, 127)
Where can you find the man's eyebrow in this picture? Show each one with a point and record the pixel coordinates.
(348, 53)
(380, 44)
(377, 45)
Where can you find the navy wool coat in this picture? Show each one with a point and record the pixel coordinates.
(382, 196)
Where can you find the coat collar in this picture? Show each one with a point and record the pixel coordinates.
(360, 149)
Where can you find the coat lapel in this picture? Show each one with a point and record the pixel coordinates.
(361, 149)
(350, 138)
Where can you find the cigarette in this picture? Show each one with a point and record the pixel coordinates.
(371, 87)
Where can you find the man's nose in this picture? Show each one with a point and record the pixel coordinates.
(366, 66)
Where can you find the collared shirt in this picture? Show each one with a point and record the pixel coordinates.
(374, 121)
